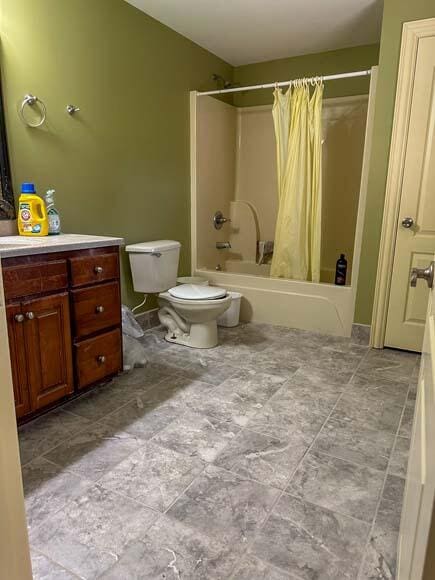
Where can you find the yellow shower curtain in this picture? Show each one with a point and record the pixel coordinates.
(298, 130)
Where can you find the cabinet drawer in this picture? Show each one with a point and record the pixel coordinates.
(98, 357)
(91, 269)
(96, 308)
(28, 279)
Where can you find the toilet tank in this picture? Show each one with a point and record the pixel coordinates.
(154, 265)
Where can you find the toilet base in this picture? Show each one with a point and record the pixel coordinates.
(200, 335)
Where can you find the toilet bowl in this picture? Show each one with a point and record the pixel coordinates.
(188, 311)
(190, 316)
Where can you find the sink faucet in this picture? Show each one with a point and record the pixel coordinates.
(223, 245)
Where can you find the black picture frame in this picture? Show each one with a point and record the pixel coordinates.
(7, 206)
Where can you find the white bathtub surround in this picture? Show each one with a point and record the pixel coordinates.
(11, 246)
(320, 307)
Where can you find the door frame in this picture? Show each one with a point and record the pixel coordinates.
(412, 32)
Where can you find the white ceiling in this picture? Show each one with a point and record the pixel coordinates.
(246, 31)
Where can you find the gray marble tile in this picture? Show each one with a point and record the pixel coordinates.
(353, 441)
(209, 371)
(286, 422)
(47, 489)
(343, 361)
(231, 410)
(338, 485)
(249, 386)
(153, 475)
(45, 569)
(91, 533)
(143, 419)
(311, 542)
(42, 434)
(389, 364)
(173, 551)
(142, 379)
(377, 389)
(224, 506)
(94, 451)
(252, 568)
(390, 506)
(304, 396)
(323, 376)
(407, 421)
(101, 401)
(175, 390)
(360, 334)
(399, 457)
(263, 458)
(197, 435)
(375, 414)
(380, 558)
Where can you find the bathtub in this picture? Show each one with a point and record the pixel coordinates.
(317, 307)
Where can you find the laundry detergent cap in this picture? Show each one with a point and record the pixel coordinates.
(28, 188)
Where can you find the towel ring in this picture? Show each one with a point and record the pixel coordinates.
(32, 100)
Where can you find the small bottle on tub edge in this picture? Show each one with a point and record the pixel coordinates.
(340, 271)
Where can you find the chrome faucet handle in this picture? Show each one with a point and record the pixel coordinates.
(427, 274)
(219, 220)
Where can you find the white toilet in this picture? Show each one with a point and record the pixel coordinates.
(188, 311)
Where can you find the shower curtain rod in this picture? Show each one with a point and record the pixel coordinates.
(358, 73)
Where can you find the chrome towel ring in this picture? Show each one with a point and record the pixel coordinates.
(32, 100)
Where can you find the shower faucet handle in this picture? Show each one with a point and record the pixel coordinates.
(219, 220)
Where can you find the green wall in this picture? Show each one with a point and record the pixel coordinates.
(121, 166)
(331, 62)
(395, 13)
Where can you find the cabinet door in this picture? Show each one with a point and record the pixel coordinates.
(47, 334)
(18, 359)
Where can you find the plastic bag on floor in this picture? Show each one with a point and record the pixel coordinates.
(130, 325)
(133, 351)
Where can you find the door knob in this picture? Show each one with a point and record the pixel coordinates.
(407, 222)
(30, 315)
(424, 273)
(19, 317)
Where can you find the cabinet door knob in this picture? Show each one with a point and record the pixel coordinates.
(101, 359)
(98, 269)
(99, 309)
(30, 315)
(19, 317)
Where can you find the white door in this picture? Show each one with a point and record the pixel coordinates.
(420, 482)
(415, 240)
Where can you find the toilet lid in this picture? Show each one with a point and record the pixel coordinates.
(196, 292)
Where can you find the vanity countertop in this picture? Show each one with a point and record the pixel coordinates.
(11, 246)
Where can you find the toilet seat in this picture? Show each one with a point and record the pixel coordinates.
(195, 292)
(194, 303)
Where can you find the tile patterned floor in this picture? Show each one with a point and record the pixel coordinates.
(281, 454)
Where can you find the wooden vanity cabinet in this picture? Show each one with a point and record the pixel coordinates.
(62, 338)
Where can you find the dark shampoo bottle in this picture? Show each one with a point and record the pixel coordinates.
(340, 271)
